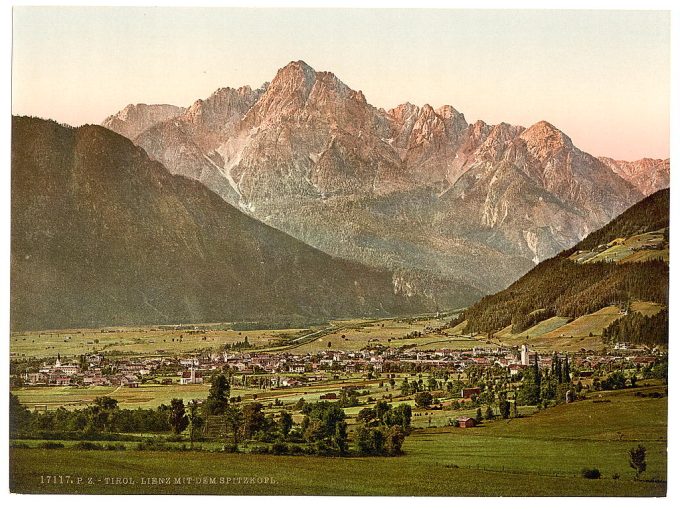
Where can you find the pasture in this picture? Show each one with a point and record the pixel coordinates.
(561, 334)
(145, 341)
(541, 455)
(129, 342)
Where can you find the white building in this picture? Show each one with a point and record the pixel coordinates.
(524, 356)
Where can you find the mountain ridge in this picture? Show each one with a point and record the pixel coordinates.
(397, 189)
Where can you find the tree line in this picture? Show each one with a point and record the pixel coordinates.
(561, 287)
(322, 431)
(637, 329)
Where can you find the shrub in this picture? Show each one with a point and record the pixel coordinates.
(52, 445)
(637, 459)
(151, 444)
(591, 473)
(88, 446)
(394, 439)
(279, 448)
(296, 449)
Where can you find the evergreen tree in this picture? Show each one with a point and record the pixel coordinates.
(558, 372)
(504, 408)
(218, 396)
(178, 419)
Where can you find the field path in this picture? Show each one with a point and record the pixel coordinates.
(114, 390)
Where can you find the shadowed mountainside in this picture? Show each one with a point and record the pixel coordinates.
(103, 235)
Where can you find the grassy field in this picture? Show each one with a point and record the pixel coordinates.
(145, 396)
(538, 455)
(140, 341)
(348, 335)
(155, 340)
(152, 395)
(644, 247)
(558, 333)
(355, 335)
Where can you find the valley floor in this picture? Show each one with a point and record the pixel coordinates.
(540, 455)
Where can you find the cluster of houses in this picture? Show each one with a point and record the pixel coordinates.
(88, 371)
(282, 369)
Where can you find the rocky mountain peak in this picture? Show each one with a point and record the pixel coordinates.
(285, 96)
(359, 96)
(301, 152)
(544, 140)
(296, 75)
(647, 175)
(500, 136)
(428, 126)
(135, 118)
(222, 105)
(402, 113)
(447, 112)
(129, 110)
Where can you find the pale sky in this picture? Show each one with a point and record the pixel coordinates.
(603, 77)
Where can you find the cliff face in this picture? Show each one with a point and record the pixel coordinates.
(647, 175)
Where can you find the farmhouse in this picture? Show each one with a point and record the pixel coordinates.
(129, 381)
(467, 392)
(643, 360)
(516, 369)
(58, 377)
(191, 377)
(70, 369)
(466, 422)
(36, 378)
(296, 368)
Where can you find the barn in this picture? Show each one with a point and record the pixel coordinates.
(469, 391)
(466, 422)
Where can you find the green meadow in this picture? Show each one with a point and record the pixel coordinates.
(539, 455)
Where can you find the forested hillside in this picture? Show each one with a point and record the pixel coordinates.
(562, 287)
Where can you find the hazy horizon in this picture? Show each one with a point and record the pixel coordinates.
(602, 77)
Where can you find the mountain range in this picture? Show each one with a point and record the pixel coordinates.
(454, 210)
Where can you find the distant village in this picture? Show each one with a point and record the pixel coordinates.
(282, 369)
